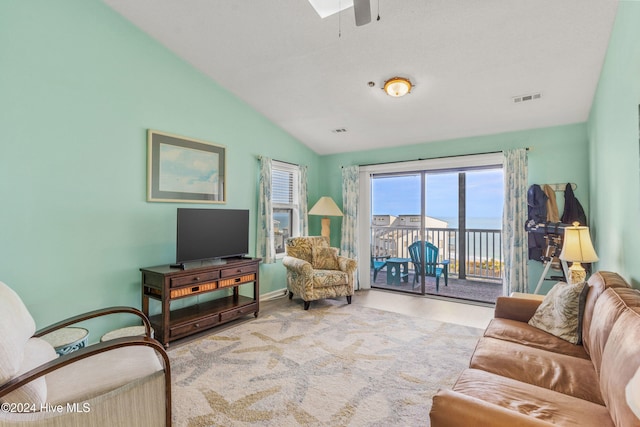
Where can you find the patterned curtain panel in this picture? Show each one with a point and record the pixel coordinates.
(514, 216)
(302, 201)
(350, 197)
(265, 244)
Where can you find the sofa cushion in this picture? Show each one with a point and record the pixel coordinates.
(540, 403)
(598, 283)
(16, 327)
(523, 333)
(611, 304)
(620, 360)
(324, 258)
(36, 352)
(565, 374)
(561, 310)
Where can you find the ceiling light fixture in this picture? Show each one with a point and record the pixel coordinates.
(397, 86)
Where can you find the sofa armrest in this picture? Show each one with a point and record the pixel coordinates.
(452, 409)
(521, 309)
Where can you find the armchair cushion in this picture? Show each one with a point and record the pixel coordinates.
(329, 278)
(324, 258)
(16, 327)
(36, 352)
(90, 377)
(301, 247)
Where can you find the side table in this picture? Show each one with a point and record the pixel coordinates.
(67, 340)
(129, 331)
(397, 270)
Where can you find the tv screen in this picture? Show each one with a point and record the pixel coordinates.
(204, 234)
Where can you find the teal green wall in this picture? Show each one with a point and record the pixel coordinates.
(613, 135)
(79, 87)
(557, 154)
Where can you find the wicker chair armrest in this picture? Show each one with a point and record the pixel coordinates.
(94, 314)
(89, 351)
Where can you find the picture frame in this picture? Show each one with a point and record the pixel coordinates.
(187, 170)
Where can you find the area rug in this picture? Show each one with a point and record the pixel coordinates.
(333, 365)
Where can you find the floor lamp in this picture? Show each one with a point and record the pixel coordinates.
(326, 207)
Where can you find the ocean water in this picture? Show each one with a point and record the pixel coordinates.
(489, 223)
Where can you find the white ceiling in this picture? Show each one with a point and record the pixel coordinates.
(467, 59)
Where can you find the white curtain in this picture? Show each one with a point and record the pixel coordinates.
(265, 245)
(303, 218)
(514, 216)
(350, 197)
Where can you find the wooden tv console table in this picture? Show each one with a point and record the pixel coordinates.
(166, 284)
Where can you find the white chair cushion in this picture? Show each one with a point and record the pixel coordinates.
(16, 327)
(36, 352)
(101, 373)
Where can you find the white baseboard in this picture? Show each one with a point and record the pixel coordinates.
(278, 293)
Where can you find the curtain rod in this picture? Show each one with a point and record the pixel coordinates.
(281, 161)
(432, 158)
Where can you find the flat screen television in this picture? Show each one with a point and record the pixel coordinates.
(211, 235)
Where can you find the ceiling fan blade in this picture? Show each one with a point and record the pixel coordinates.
(362, 10)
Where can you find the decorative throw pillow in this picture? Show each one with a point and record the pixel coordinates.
(325, 259)
(560, 313)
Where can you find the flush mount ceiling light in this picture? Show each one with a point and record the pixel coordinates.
(397, 86)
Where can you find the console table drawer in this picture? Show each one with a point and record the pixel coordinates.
(237, 271)
(193, 290)
(193, 327)
(195, 278)
(237, 312)
(237, 280)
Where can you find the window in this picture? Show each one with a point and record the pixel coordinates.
(284, 194)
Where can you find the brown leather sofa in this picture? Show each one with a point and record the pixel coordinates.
(522, 376)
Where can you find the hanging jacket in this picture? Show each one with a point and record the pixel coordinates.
(537, 209)
(573, 210)
(553, 215)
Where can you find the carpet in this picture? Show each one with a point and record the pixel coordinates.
(333, 365)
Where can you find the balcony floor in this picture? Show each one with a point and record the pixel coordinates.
(472, 290)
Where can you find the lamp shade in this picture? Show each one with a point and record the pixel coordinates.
(325, 207)
(632, 393)
(577, 245)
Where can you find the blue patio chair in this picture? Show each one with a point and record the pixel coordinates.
(377, 264)
(434, 268)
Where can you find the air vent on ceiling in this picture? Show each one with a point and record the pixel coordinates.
(341, 130)
(525, 98)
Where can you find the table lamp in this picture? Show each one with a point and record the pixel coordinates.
(326, 207)
(632, 393)
(577, 248)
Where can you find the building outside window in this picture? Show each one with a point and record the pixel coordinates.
(284, 193)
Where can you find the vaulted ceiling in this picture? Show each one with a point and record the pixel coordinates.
(468, 59)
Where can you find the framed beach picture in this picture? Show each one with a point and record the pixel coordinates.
(182, 169)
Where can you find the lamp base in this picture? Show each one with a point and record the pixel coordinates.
(577, 274)
(326, 232)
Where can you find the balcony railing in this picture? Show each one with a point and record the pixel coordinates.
(479, 256)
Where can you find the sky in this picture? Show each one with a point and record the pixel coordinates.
(400, 195)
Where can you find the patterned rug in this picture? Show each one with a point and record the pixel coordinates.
(333, 365)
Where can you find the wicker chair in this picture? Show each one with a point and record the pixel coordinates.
(315, 271)
(125, 381)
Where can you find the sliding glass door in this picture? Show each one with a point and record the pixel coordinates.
(437, 231)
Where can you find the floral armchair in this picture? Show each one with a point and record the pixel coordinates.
(315, 271)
